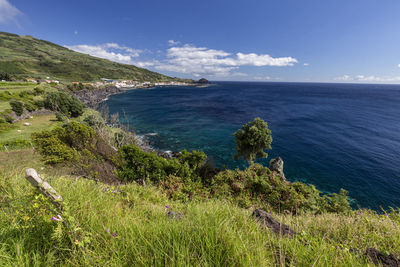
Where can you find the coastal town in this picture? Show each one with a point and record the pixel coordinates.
(116, 83)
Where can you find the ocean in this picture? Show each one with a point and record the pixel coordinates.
(330, 135)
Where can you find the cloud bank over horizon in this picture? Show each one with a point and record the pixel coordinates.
(186, 59)
(363, 78)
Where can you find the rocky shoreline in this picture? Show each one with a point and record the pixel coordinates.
(91, 98)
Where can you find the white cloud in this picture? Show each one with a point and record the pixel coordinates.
(8, 12)
(306, 64)
(398, 65)
(110, 51)
(172, 42)
(344, 78)
(371, 78)
(76, 32)
(266, 78)
(187, 59)
(204, 61)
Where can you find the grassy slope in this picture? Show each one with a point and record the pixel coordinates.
(212, 233)
(25, 56)
(38, 123)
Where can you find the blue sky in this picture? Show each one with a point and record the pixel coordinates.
(285, 40)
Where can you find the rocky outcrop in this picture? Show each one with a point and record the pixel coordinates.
(203, 81)
(276, 165)
(379, 258)
(267, 220)
(91, 98)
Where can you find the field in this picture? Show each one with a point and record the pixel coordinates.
(21, 132)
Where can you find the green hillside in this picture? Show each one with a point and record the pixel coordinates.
(26, 56)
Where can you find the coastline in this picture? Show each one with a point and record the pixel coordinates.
(92, 99)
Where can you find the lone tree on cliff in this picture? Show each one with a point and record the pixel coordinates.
(252, 139)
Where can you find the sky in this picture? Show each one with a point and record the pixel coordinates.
(239, 40)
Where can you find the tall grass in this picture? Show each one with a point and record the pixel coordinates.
(132, 228)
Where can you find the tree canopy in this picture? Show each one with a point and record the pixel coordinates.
(252, 139)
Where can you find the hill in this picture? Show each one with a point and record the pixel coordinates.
(26, 56)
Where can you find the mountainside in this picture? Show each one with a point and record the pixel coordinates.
(26, 56)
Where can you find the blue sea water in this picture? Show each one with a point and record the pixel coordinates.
(331, 135)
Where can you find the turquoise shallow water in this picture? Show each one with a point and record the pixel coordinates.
(331, 135)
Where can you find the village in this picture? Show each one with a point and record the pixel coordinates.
(116, 83)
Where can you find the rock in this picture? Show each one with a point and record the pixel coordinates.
(27, 124)
(175, 215)
(378, 258)
(276, 165)
(267, 220)
(20, 131)
(203, 81)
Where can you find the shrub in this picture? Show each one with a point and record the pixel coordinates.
(25, 94)
(257, 185)
(59, 116)
(52, 149)
(39, 103)
(38, 91)
(29, 106)
(65, 103)
(8, 118)
(94, 121)
(77, 144)
(5, 76)
(17, 107)
(138, 165)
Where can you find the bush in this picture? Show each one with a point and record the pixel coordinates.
(39, 103)
(63, 144)
(65, 103)
(5, 76)
(94, 121)
(138, 165)
(257, 185)
(38, 91)
(59, 116)
(25, 94)
(29, 106)
(17, 107)
(52, 149)
(77, 144)
(8, 118)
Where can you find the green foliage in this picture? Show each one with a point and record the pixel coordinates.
(62, 102)
(60, 116)
(38, 91)
(52, 148)
(63, 144)
(252, 139)
(15, 144)
(138, 165)
(257, 185)
(194, 159)
(17, 107)
(94, 121)
(29, 106)
(77, 145)
(5, 76)
(8, 118)
(39, 103)
(5, 126)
